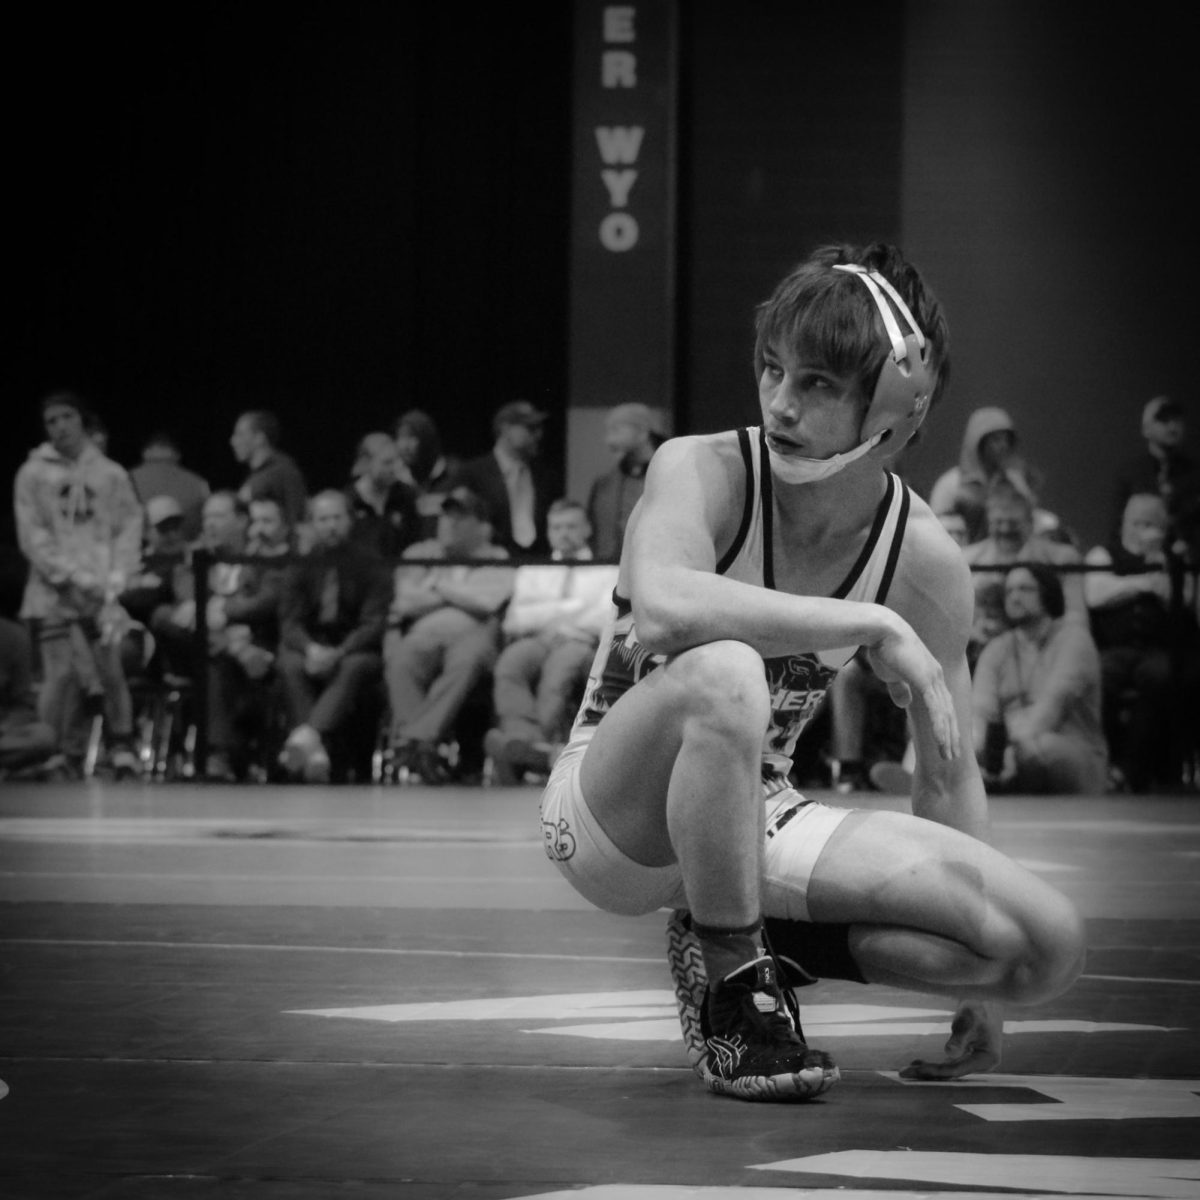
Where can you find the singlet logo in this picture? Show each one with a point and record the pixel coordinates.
(798, 683)
(558, 840)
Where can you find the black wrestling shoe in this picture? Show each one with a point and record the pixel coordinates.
(744, 1042)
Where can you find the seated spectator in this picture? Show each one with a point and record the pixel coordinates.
(331, 626)
(444, 632)
(1163, 467)
(162, 473)
(79, 524)
(1148, 655)
(423, 465)
(161, 585)
(383, 508)
(269, 470)
(551, 629)
(28, 745)
(988, 454)
(631, 436)
(1011, 538)
(955, 523)
(243, 638)
(1036, 694)
(173, 623)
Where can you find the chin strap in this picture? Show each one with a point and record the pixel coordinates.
(791, 469)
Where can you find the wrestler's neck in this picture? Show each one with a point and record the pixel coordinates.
(842, 502)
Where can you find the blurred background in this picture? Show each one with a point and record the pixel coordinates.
(344, 212)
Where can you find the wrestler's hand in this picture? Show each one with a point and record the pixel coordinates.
(974, 1044)
(906, 665)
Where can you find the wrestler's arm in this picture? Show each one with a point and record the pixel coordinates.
(691, 505)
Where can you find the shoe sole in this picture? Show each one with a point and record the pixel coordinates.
(817, 1076)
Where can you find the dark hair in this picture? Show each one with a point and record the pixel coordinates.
(1049, 586)
(829, 319)
(429, 441)
(267, 423)
(161, 437)
(67, 399)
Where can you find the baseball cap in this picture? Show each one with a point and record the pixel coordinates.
(520, 412)
(163, 508)
(463, 500)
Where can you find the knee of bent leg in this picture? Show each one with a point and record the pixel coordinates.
(723, 685)
(1055, 944)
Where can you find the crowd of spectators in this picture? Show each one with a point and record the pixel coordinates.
(436, 617)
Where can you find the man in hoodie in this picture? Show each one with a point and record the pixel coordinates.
(988, 454)
(79, 524)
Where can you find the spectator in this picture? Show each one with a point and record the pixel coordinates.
(269, 533)
(162, 584)
(444, 632)
(1167, 470)
(955, 523)
(551, 629)
(269, 471)
(223, 532)
(1011, 538)
(383, 508)
(630, 434)
(1148, 656)
(80, 526)
(331, 627)
(510, 482)
(988, 454)
(1037, 694)
(162, 473)
(27, 744)
(243, 622)
(424, 465)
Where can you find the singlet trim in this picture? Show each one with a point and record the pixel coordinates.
(747, 505)
(897, 538)
(872, 541)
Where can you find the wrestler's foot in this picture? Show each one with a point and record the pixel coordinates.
(735, 1046)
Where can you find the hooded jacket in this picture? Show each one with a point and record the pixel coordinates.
(965, 486)
(78, 523)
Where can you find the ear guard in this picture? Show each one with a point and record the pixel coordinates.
(905, 384)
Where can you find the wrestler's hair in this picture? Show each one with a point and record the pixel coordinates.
(828, 318)
(1049, 586)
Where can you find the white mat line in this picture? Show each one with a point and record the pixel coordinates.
(378, 950)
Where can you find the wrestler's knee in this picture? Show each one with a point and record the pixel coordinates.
(1052, 952)
(723, 686)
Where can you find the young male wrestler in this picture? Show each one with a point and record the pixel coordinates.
(757, 563)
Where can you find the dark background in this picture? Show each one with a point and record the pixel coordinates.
(346, 212)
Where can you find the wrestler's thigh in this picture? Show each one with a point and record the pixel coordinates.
(887, 868)
(627, 769)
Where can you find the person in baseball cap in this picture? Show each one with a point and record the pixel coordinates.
(518, 412)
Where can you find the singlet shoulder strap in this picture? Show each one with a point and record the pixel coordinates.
(897, 540)
(727, 558)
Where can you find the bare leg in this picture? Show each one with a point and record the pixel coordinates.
(673, 774)
(934, 910)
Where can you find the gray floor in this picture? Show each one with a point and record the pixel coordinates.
(358, 992)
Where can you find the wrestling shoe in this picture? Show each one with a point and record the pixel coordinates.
(756, 1051)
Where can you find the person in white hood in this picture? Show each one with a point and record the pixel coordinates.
(79, 524)
(989, 452)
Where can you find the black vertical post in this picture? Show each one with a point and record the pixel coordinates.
(202, 560)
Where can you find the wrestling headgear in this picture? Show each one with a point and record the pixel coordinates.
(902, 392)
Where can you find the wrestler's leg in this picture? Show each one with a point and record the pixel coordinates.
(673, 774)
(931, 909)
